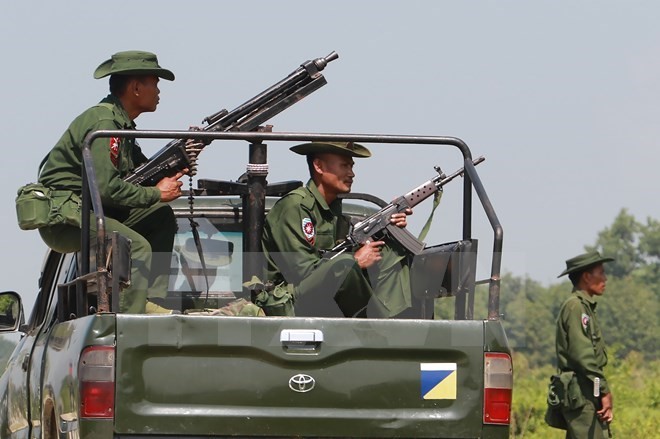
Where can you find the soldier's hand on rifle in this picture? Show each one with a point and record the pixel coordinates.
(170, 187)
(369, 253)
(399, 219)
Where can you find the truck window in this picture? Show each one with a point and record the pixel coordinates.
(57, 269)
(220, 277)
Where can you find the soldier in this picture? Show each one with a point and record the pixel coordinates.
(309, 220)
(581, 349)
(136, 212)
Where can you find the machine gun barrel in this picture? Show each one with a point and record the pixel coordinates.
(246, 117)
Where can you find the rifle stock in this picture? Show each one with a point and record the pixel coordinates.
(379, 222)
(173, 157)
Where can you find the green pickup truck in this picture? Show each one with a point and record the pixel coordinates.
(81, 370)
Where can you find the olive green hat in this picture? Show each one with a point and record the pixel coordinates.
(579, 263)
(132, 62)
(344, 148)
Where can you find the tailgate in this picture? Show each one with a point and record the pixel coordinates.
(199, 375)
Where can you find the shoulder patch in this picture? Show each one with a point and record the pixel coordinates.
(308, 230)
(585, 321)
(114, 150)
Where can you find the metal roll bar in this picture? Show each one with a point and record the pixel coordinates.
(91, 199)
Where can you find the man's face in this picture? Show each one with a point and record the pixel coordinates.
(335, 171)
(146, 89)
(595, 280)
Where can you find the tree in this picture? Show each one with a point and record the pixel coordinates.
(649, 241)
(620, 241)
(529, 317)
(649, 246)
(628, 315)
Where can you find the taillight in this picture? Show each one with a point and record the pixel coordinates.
(96, 372)
(498, 383)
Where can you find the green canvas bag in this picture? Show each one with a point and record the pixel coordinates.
(33, 206)
(38, 206)
(563, 392)
(556, 400)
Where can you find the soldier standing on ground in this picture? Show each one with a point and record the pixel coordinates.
(136, 212)
(581, 348)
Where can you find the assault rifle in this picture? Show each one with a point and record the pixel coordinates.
(246, 117)
(379, 224)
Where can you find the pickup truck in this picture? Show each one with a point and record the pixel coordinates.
(82, 370)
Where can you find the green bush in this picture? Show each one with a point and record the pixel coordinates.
(635, 386)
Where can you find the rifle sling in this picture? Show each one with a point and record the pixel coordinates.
(436, 202)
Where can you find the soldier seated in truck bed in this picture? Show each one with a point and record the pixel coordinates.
(308, 221)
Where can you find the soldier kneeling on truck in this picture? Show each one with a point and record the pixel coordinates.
(139, 213)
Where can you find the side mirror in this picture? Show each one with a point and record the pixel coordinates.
(11, 312)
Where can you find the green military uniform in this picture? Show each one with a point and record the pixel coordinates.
(580, 348)
(297, 229)
(133, 211)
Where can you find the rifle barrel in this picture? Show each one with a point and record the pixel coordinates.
(444, 181)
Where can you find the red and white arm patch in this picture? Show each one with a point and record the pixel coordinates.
(308, 230)
(584, 319)
(114, 150)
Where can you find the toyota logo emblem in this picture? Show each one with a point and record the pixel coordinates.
(301, 383)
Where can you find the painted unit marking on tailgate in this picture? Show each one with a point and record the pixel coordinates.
(438, 380)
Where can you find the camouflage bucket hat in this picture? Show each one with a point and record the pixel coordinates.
(132, 62)
(344, 148)
(583, 261)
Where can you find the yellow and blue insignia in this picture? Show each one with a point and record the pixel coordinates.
(438, 380)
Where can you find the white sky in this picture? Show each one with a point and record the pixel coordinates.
(560, 96)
